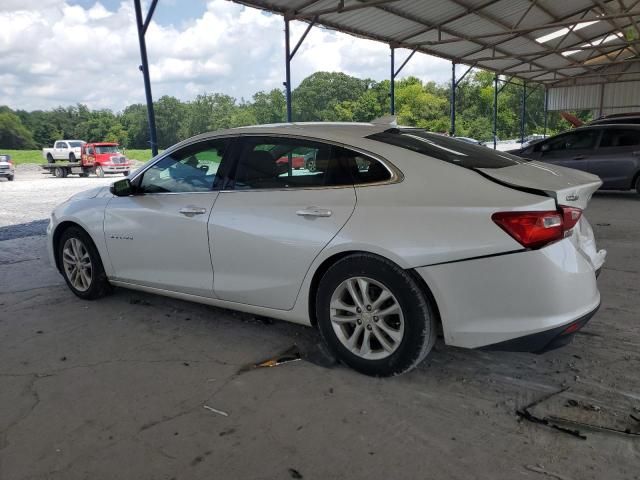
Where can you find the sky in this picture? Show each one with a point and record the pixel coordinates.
(63, 52)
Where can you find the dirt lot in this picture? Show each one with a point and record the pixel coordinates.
(119, 388)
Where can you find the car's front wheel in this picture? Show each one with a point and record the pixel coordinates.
(374, 316)
(99, 171)
(81, 265)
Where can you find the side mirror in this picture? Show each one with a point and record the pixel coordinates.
(121, 188)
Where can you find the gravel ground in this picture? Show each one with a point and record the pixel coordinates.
(147, 387)
(34, 193)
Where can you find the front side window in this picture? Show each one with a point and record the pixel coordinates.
(618, 137)
(573, 141)
(285, 163)
(193, 168)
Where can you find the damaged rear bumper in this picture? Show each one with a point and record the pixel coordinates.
(544, 341)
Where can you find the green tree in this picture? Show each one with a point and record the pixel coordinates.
(13, 134)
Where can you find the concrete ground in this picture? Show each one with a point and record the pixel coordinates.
(145, 387)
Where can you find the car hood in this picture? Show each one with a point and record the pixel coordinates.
(569, 187)
(91, 193)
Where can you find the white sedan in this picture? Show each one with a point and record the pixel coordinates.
(395, 235)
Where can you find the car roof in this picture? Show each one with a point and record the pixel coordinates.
(338, 132)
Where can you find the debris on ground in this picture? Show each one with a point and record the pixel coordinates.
(291, 354)
(295, 473)
(541, 470)
(215, 410)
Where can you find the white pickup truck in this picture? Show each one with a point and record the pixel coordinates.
(67, 150)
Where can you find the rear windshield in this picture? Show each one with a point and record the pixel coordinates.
(446, 148)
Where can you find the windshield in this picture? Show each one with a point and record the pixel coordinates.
(107, 149)
(76, 144)
(4, 158)
(445, 148)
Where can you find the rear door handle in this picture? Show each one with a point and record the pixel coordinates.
(192, 211)
(314, 212)
(579, 157)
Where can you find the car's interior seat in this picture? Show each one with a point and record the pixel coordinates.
(257, 170)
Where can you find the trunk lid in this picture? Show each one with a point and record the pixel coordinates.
(569, 187)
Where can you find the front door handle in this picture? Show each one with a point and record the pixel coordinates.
(192, 211)
(314, 212)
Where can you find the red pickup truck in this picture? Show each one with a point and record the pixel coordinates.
(107, 158)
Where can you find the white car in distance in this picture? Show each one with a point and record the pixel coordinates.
(395, 234)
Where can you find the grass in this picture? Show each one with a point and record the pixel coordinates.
(35, 156)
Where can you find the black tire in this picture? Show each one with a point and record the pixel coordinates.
(60, 172)
(99, 171)
(420, 328)
(72, 157)
(50, 158)
(84, 174)
(126, 173)
(311, 165)
(10, 178)
(99, 285)
(638, 184)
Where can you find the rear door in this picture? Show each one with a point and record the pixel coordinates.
(572, 149)
(617, 158)
(271, 220)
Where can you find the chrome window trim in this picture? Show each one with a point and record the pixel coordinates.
(396, 174)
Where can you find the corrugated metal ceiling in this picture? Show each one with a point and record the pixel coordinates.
(498, 35)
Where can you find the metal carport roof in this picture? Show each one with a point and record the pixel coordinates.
(543, 41)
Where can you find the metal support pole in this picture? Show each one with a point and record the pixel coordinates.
(287, 83)
(453, 99)
(495, 111)
(546, 108)
(523, 113)
(144, 67)
(392, 92)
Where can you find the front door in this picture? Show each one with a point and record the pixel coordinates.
(159, 237)
(273, 220)
(572, 149)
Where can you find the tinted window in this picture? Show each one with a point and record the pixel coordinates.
(446, 148)
(60, 145)
(618, 137)
(574, 141)
(75, 144)
(282, 163)
(193, 168)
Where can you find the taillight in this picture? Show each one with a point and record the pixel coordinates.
(570, 216)
(536, 229)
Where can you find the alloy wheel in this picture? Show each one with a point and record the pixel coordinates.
(77, 264)
(367, 318)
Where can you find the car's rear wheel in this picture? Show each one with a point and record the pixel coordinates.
(374, 316)
(72, 157)
(81, 265)
(99, 171)
(638, 184)
(50, 158)
(10, 178)
(126, 173)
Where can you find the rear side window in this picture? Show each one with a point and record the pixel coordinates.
(447, 149)
(618, 137)
(285, 163)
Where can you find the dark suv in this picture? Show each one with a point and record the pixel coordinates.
(610, 151)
